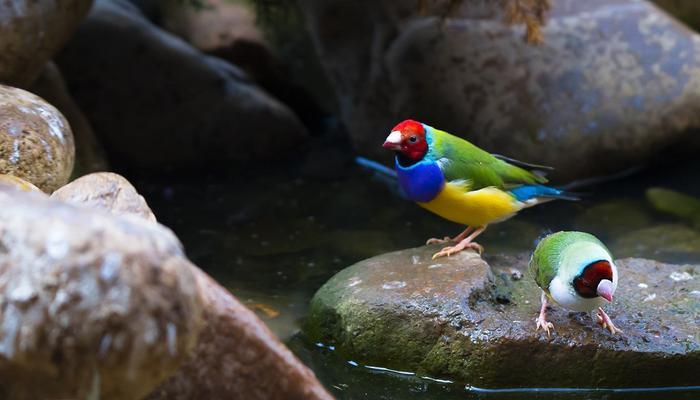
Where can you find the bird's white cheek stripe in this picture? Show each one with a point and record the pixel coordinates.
(394, 137)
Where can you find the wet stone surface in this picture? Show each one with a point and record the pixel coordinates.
(457, 318)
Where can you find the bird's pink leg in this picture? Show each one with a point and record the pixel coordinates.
(542, 319)
(447, 239)
(606, 322)
(463, 244)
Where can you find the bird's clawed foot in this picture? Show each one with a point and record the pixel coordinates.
(542, 318)
(544, 324)
(606, 322)
(448, 239)
(464, 244)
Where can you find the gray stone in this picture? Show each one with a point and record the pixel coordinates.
(157, 103)
(454, 318)
(612, 84)
(36, 142)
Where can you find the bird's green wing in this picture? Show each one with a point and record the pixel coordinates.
(461, 160)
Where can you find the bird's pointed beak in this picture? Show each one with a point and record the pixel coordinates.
(393, 141)
(605, 290)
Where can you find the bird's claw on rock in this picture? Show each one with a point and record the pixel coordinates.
(544, 324)
(606, 323)
(450, 250)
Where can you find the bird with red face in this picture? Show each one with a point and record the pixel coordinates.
(462, 183)
(576, 271)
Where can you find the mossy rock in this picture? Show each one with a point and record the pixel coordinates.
(457, 318)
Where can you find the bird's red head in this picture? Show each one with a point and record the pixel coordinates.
(408, 139)
(595, 280)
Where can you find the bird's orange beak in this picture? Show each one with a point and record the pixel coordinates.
(605, 290)
(393, 141)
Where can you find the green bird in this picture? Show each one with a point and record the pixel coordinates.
(576, 271)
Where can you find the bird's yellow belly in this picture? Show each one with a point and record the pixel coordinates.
(474, 208)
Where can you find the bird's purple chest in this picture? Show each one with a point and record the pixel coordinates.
(421, 181)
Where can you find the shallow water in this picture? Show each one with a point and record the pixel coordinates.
(275, 237)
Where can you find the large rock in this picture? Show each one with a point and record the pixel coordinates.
(453, 318)
(93, 305)
(105, 191)
(237, 357)
(614, 81)
(18, 183)
(157, 103)
(36, 142)
(31, 32)
(89, 154)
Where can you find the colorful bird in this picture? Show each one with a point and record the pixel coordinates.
(577, 271)
(462, 183)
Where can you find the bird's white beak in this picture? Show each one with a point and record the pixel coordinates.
(393, 141)
(605, 290)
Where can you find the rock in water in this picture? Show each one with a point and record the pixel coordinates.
(36, 143)
(614, 81)
(452, 318)
(31, 32)
(237, 357)
(158, 103)
(105, 191)
(93, 304)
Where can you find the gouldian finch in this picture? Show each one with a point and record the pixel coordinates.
(576, 271)
(462, 183)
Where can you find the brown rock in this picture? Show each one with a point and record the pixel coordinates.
(448, 318)
(237, 357)
(93, 304)
(36, 143)
(105, 191)
(89, 154)
(31, 32)
(18, 183)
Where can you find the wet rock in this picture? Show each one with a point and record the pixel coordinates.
(453, 318)
(106, 191)
(237, 357)
(31, 32)
(89, 154)
(36, 143)
(614, 81)
(675, 203)
(191, 111)
(613, 218)
(94, 305)
(667, 241)
(18, 183)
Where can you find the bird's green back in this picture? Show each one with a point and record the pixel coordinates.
(547, 257)
(462, 160)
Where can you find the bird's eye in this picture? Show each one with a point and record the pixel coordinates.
(413, 139)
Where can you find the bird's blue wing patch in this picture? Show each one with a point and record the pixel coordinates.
(527, 192)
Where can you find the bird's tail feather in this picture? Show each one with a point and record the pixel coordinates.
(529, 192)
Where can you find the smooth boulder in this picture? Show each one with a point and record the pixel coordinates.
(456, 318)
(612, 85)
(94, 305)
(105, 191)
(158, 104)
(31, 32)
(36, 142)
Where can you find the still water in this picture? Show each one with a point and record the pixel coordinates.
(275, 236)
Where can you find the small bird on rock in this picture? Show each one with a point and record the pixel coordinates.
(462, 183)
(576, 271)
